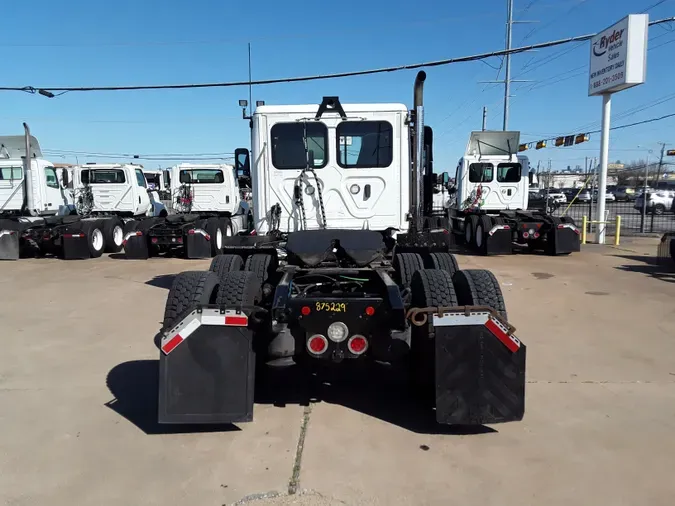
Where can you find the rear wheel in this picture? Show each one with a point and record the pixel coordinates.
(444, 262)
(113, 233)
(237, 289)
(483, 226)
(659, 209)
(430, 288)
(259, 265)
(93, 231)
(226, 225)
(470, 230)
(406, 264)
(215, 231)
(478, 287)
(189, 289)
(224, 264)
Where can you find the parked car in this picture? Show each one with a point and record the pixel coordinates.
(584, 196)
(537, 200)
(556, 194)
(609, 196)
(658, 202)
(625, 193)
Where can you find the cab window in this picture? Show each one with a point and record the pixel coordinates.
(103, 176)
(288, 145)
(11, 173)
(51, 178)
(508, 172)
(140, 178)
(364, 144)
(481, 172)
(202, 176)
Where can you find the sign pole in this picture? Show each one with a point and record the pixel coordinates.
(604, 155)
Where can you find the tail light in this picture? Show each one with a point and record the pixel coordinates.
(317, 344)
(357, 344)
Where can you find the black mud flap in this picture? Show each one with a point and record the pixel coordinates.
(136, 246)
(74, 244)
(564, 239)
(499, 241)
(198, 245)
(207, 369)
(480, 370)
(9, 245)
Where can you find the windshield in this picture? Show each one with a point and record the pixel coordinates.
(202, 176)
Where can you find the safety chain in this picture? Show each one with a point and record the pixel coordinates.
(275, 217)
(419, 316)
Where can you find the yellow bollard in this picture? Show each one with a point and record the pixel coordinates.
(584, 226)
(618, 230)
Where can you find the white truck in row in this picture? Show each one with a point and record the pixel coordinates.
(77, 214)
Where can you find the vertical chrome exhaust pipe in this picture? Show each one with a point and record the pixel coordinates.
(417, 153)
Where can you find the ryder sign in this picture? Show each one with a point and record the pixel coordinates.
(619, 56)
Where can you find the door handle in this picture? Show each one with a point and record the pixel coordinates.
(366, 192)
(139, 199)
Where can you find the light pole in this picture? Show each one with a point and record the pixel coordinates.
(644, 192)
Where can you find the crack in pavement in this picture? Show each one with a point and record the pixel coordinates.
(297, 463)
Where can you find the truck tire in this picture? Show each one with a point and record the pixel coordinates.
(260, 266)
(239, 288)
(444, 262)
(224, 264)
(478, 287)
(483, 226)
(406, 264)
(470, 230)
(113, 233)
(93, 231)
(226, 225)
(215, 230)
(188, 289)
(430, 288)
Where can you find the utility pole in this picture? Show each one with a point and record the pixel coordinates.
(484, 118)
(658, 174)
(507, 79)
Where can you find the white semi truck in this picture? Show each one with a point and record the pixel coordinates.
(489, 209)
(207, 207)
(44, 214)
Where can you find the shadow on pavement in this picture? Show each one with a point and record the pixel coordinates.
(380, 392)
(664, 271)
(134, 386)
(162, 281)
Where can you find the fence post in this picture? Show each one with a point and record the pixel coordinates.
(651, 224)
(617, 237)
(584, 225)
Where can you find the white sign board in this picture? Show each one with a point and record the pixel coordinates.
(619, 56)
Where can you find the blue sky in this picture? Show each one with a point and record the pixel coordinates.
(127, 42)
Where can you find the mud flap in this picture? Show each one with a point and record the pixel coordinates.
(563, 239)
(499, 241)
(207, 369)
(198, 245)
(136, 246)
(74, 243)
(480, 370)
(9, 245)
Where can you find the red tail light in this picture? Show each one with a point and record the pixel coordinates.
(317, 344)
(305, 310)
(370, 310)
(357, 344)
(154, 240)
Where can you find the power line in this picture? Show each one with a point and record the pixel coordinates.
(436, 63)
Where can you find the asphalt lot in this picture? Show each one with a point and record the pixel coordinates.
(78, 400)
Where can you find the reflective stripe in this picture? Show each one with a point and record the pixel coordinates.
(196, 319)
(497, 328)
(498, 227)
(7, 232)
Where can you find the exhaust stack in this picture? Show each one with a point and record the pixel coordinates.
(417, 153)
(28, 175)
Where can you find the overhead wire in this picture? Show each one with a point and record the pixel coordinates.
(336, 75)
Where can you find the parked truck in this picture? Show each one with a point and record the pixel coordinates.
(44, 213)
(345, 266)
(207, 207)
(489, 211)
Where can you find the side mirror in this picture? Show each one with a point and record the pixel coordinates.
(65, 177)
(242, 162)
(445, 178)
(84, 177)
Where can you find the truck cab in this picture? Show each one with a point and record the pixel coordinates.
(330, 165)
(213, 188)
(490, 175)
(119, 189)
(49, 194)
